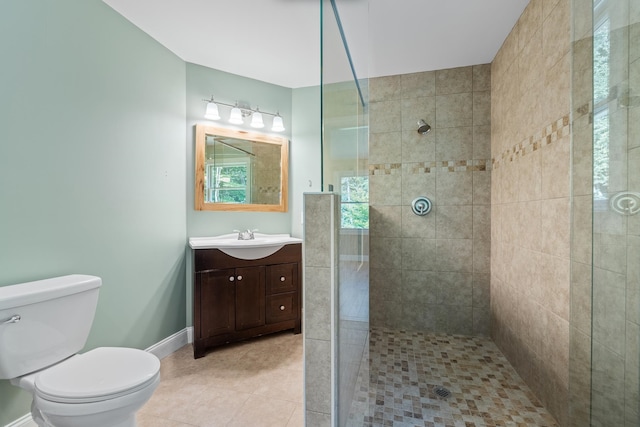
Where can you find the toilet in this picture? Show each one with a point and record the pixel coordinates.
(43, 326)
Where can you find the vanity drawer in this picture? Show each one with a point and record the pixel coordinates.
(282, 278)
(281, 307)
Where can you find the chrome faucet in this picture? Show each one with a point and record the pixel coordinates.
(246, 235)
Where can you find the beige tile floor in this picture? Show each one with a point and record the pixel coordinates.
(251, 384)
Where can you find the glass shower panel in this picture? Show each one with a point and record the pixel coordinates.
(615, 326)
(345, 171)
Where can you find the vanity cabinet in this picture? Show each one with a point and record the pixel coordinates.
(236, 299)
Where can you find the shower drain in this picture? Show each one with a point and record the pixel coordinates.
(442, 392)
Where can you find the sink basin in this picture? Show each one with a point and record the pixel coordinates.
(261, 246)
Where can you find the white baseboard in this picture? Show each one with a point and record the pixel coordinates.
(170, 344)
(25, 421)
(161, 349)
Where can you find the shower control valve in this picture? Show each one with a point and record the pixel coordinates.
(421, 206)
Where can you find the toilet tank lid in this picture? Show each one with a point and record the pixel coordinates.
(43, 290)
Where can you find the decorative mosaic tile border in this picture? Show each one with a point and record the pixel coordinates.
(550, 134)
(584, 109)
(583, 116)
(428, 167)
(385, 169)
(269, 189)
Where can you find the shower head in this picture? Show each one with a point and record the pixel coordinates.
(423, 127)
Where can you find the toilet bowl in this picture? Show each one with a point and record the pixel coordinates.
(43, 324)
(101, 388)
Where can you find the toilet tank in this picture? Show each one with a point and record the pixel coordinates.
(55, 317)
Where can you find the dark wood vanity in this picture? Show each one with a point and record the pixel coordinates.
(236, 299)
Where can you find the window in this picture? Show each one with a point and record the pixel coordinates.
(601, 95)
(355, 202)
(601, 153)
(228, 183)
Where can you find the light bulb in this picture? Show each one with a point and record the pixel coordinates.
(256, 120)
(236, 116)
(211, 112)
(277, 126)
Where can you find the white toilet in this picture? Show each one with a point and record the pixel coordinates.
(43, 324)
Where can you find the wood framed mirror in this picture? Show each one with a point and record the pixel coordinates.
(240, 171)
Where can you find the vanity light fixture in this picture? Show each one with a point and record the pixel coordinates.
(239, 112)
(277, 126)
(211, 112)
(236, 116)
(257, 122)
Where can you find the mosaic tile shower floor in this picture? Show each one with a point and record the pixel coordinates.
(396, 385)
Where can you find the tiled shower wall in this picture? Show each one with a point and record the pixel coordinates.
(530, 217)
(605, 309)
(431, 273)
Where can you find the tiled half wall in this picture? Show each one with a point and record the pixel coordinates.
(321, 210)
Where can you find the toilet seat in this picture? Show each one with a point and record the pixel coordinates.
(100, 374)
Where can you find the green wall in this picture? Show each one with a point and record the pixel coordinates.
(202, 82)
(300, 109)
(92, 167)
(306, 151)
(96, 170)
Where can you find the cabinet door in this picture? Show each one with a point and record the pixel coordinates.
(215, 291)
(250, 298)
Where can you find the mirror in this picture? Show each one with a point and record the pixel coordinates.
(240, 171)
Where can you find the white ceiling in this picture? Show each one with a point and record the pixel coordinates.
(278, 41)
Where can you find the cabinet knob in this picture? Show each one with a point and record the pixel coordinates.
(239, 277)
(282, 308)
(231, 279)
(282, 279)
